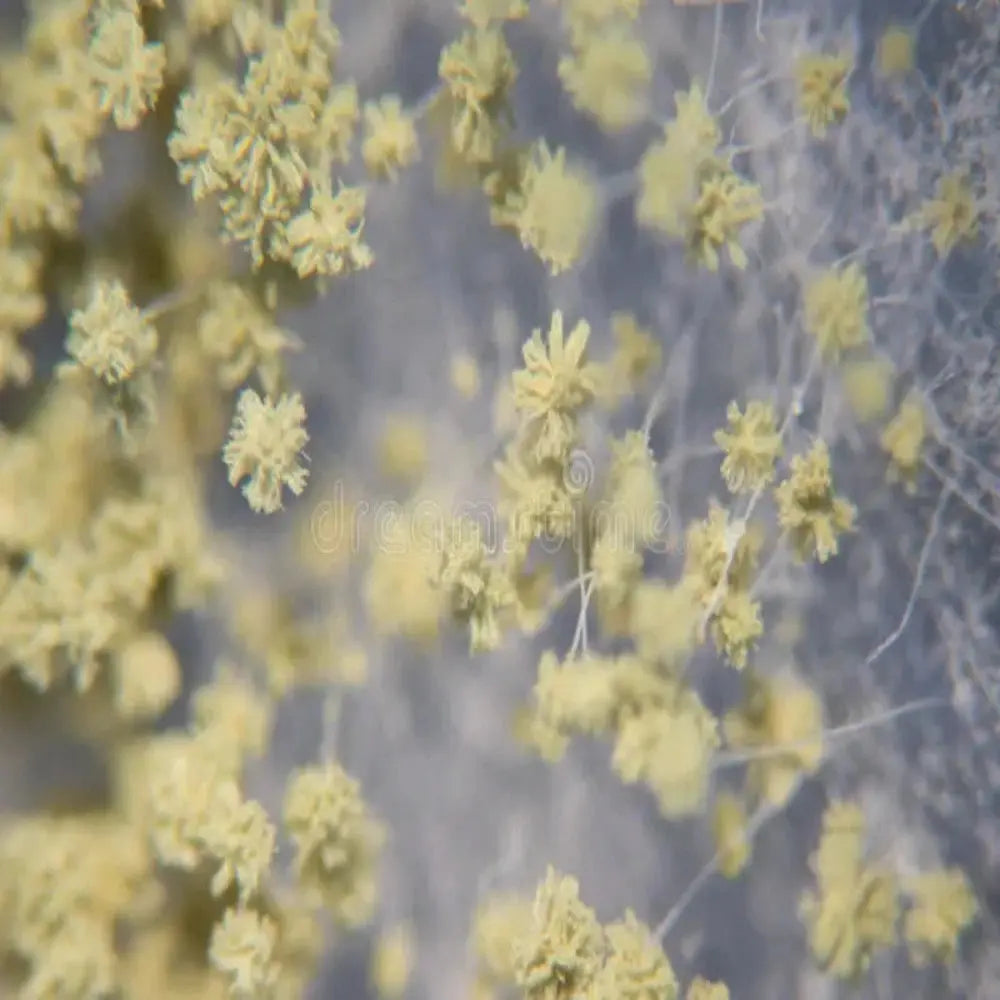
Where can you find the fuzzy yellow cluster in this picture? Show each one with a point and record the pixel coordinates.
(477, 71)
(782, 718)
(390, 142)
(479, 588)
(952, 215)
(903, 441)
(627, 519)
(689, 189)
(264, 144)
(552, 208)
(401, 596)
(109, 336)
(729, 832)
(337, 842)
(536, 475)
(895, 55)
(942, 905)
(721, 557)
(836, 306)
(853, 911)
(564, 952)
(809, 510)
(752, 446)
(264, 448)
(868, 387)
(822, 89)
(636, 357)
(241, 338)
(553, 947)
(663, 735)
(607, 70)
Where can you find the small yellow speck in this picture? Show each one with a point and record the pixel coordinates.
(895, 51)
(392, 962)
(465, 376)
(402, 448)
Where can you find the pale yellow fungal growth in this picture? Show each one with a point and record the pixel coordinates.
(294, 651)
(555, 382)
(241, 336)
(231, 718)
(616, 566)
(337, 842)
(326, 237)
(952, 215)
(667, 189)
(68, 883)
(752, 446)
(182, 785)
(109, 336)
(392, 962)
(781, 718)
(725, 204)
(700, 988)
(240, 838)
(482, 13)
(729, 832)
(719, 565)
(164, 877)
(822, 89)
(477, 71)
(264, 447)
(464, 374)
(127, 71)
(558, 954)
(942, 906)
(203, 16)
(688, 191)
(575, 697)
(868, 386)
(147, 676)
(636, 356)
(694, 130)
(664, 620)
(552, 208)
(300, 946)
(390, 143)
(903, 441)
(535, 498)
(22, 305)
(403, 448)
(479, 588)
(854, 909)
(668, 746)
(584, 17)
(242, 948)
(265, 144)
(895, 55)
(401, 592)
(498, 921)
(634, 513)
(635, 967)
(836, 306)
(534, 591)
(607, 75)
(809, 510)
